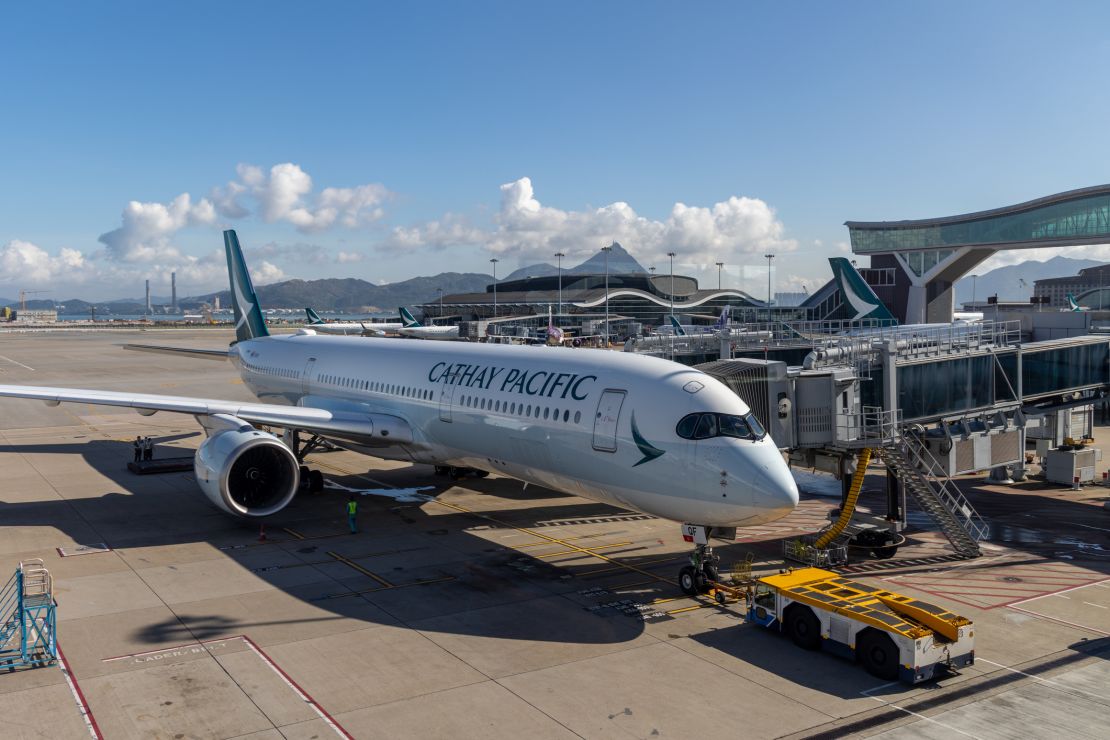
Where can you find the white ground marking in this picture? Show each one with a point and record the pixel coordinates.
(17, 362)
(867, 693)
(402, 495)
(1062, 686)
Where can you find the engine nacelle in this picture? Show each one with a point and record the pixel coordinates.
(244, 471)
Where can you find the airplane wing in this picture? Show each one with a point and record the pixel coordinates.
(203, 354)
(291, 417)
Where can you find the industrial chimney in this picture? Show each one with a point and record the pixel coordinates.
(148, 311)
(173, 292)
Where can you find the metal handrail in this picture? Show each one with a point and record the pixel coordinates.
(923, 460)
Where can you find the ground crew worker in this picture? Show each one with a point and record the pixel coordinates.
(138, 445)
(352, 510)
(148, 449)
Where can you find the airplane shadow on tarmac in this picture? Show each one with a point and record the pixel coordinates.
(431, 566)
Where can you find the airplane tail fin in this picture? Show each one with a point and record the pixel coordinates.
(313, 317)
(1072, 303)
(248, 316)
(722, 320)
(856, 293)
(407, 319)
(678, 330)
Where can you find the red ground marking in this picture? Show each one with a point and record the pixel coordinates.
(956, 592)
(78, 695)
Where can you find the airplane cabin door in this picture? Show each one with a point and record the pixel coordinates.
(447, 396)
(306, 378)
(605, 421)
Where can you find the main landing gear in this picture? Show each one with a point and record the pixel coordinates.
(312, 480)
(704, 567)
(459, 473)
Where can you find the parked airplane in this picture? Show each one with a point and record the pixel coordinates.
(680, 330)
(857, 293)
(632, 431)
(1074, 305)
(414, 328)
(359, 328)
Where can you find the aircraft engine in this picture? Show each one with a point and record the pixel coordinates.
(244, 471)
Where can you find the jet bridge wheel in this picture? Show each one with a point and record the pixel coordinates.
(803, 626)
(878, 654)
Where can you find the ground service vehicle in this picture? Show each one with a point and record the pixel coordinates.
(895, 637)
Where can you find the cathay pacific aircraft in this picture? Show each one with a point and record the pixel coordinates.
(624, 429)
(360, 328)
(415, 329)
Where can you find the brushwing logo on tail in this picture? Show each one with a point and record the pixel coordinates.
(856, 292)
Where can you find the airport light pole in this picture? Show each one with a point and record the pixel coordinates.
(559, 256)
(493, 261)
(652, 270)
(974, 280)
(719, 266)
(607, 250)
(440, 291)
(769, 257)
(671, 255)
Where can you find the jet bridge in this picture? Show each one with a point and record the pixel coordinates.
(933, 402)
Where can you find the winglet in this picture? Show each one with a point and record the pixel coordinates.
(678, 330)
(313, 317)
(857, 294)
(407, 319)
(248, 316)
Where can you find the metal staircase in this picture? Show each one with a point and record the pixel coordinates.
(27, 619)
(912, 463)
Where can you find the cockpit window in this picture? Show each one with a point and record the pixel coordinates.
(706, 425)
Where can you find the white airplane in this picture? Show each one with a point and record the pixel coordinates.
(627, 430)
(358, 328)
(414, 328)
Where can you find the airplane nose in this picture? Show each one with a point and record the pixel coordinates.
(778, 489)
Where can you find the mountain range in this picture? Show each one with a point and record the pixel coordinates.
(1015, 282)
(620, 263)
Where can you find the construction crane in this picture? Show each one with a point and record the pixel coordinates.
(23, 297)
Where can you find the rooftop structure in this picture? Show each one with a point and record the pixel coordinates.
(932, 254)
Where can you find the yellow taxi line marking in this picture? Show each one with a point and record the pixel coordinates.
(689, 608)
(578, 550)
(360, 569)
(293, 532)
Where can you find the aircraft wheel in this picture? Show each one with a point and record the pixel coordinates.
(878, 654)
(803, 627)
(441, 469)
(687, 581)
(884, 553)
(315, 481)
(710, 572)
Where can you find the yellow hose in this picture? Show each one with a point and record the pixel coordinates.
(849, 506)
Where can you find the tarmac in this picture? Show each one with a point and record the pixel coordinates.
(479, 608)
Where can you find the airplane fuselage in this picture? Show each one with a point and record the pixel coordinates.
(602, 425)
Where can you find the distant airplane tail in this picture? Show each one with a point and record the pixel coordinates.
(313, 317)
(407, 320)
(678, 330)
(248, 315)
(856, 293)
(722, 320)
(1072, 304)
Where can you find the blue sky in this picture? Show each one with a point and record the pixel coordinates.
(772, 123)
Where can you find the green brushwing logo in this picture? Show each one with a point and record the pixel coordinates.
(647, 449)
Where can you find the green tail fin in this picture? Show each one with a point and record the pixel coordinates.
(248, 316)
(407, 319)
(313, 317)
(1072, 304)
(857, 294)
(678, 330)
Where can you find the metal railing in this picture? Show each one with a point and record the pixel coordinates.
(873, 426)
(925, 463)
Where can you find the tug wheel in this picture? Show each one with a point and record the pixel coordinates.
(687, 580)
(878, 654)
(803, 627)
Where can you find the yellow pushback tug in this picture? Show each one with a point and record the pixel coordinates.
(895, 637)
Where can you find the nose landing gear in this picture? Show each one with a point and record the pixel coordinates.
(704, 567)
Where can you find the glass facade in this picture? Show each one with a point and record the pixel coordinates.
(940, 388)
(1084, 217)
(1053, 371)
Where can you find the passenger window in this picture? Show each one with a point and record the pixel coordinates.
(546, 411)
(577, 417)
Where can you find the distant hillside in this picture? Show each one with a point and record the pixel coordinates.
(620, 263)
(351, 293)
(1006, 281)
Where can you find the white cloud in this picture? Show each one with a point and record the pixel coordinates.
(1008, 257)
(285, 194)
(147, 228)
(32, 266)
(347, 258)
(733, 228)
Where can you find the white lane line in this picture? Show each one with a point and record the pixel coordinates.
(79, 697)
(867, 693)
(17, 362)
(1060, 621)
(1063, 591)
(1062, 686)
(1097, 606)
